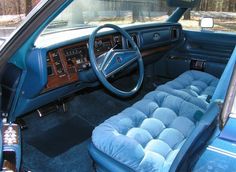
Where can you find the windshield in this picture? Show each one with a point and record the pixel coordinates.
(91, 13)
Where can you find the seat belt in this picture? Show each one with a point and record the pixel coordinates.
(222, 87)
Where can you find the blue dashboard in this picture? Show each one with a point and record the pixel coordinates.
(58, 64)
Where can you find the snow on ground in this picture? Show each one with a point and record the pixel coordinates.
(8, 23)
(10, 18)
(214, 14)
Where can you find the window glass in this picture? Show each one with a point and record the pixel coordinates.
(90, 13)
(222, 11)
(12, 13)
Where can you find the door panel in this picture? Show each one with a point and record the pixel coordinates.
(213, 48)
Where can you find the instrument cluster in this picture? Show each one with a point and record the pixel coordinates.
(77, 56)
(63, 64)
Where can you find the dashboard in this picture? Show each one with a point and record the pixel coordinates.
(58, 65)
(63, 64)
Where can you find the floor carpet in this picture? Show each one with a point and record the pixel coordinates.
(61, 138)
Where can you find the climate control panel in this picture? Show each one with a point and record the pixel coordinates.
(59, 71)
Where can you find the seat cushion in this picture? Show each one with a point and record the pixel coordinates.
(148, 135)
(193, 86)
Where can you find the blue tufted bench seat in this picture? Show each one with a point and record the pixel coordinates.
(194, 86)
(149, 135)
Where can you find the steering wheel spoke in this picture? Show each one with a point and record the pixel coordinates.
(118, 60)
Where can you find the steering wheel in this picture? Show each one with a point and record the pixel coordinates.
(115, 60)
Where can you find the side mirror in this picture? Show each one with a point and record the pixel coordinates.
(206, 23)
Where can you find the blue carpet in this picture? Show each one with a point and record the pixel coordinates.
(62, 137)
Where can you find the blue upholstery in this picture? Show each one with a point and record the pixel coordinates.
(225, 78)
(202, 132)
(149, 135)
(193, 86)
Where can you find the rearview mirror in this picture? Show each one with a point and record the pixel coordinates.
(206, 23)
(183, 3)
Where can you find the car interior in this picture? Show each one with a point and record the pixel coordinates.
(143, 97)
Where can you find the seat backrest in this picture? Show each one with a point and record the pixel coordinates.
(225, 78)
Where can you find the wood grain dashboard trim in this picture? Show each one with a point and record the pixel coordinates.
(56, 80)
(152, 51)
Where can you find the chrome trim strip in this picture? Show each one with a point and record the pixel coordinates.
(221, 151)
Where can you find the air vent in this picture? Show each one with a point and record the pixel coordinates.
(135, 39)
(174, 34)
